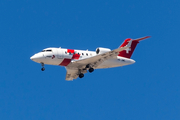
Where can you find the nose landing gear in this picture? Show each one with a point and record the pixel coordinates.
(43, 69)
(42, 64)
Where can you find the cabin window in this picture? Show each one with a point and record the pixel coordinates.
(49, 50)
(87, 54)
(65, 52)
(70, 53)
(82, 53)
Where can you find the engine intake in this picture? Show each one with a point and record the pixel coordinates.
(101, 50)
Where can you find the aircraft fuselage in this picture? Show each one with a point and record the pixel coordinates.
(63, 57)
(78, 62)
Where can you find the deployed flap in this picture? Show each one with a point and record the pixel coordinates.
(71, 74)
(74, 73)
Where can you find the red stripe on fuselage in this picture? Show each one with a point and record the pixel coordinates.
(76, 56)
(65, 62)
(70, 51)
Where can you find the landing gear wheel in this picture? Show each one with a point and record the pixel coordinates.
(91, 70)
(81, 75)
(42, 64)
(43, 69)
(87, 66)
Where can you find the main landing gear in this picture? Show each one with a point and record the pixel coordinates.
(82, 71)
(42, 64)
(81, 75)
(90, 68)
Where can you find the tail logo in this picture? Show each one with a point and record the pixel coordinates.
(127, 50)
(129, 46)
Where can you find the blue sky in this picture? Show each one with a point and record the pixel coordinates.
(146, 90)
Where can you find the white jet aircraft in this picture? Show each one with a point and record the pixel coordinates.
(77, 62)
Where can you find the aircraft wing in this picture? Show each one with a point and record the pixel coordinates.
(98, 59)
(76, 67)
(71, 74)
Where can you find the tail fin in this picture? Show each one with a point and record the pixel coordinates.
(128, 52)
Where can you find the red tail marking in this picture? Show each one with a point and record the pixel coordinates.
(128, 53)
(65, 62)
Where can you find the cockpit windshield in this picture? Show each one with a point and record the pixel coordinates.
(49, 50)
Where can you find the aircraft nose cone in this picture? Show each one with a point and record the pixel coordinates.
(32, 57)
(37, 57)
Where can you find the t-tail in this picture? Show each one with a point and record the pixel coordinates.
(129, 51)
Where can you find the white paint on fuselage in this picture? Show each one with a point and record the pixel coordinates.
(60, 54)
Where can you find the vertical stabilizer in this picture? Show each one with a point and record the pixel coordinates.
(129, 51)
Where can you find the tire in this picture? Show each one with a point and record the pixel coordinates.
(81, 75)
(91, 70)
(43, 69)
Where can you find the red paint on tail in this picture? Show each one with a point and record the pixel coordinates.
(128, 53)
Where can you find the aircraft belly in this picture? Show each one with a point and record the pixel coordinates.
(53, 61)
(112, 63)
